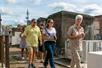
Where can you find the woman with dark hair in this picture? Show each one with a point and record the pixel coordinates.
(49, 34)
(41, 47)
(22, 43)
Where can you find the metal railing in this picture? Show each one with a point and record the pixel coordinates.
(88, 46)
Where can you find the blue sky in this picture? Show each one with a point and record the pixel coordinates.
(14, 11)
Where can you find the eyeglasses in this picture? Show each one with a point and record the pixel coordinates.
(33, 22)
(51, 22)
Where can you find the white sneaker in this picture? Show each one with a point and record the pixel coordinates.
(23, 58)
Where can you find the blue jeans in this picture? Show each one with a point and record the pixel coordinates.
(50, 48)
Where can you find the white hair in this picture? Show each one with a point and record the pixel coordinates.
(79, 16)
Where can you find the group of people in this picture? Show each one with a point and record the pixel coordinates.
(34, 38)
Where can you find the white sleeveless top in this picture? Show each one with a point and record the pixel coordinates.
(50, 34)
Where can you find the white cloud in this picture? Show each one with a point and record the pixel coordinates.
(63, 6)
(92, 9)
(12, 20)
(20, 20)
(5, 11)
(11, 1)
(79, 1)
(36, 2)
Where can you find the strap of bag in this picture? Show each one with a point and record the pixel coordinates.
(47, 32)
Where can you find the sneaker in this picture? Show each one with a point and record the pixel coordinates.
(23, 58)
(32, 65)
(45, 66)
(29, 66)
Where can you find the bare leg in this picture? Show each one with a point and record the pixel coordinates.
(34, 54)
(42, 57)
(22, 52)
(26, 52)
(30, 55)
(41, 54)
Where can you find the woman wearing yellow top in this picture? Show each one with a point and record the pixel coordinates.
(32, 34)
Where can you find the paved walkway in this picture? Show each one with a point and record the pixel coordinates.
(66, 62)
(16, 62)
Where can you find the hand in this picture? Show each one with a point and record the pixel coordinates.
(83, 35)
(52, 38)
(79, 36)
(22, 35)
(40, 43)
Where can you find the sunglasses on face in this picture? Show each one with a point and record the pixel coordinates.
(33, 22)
(51, 22)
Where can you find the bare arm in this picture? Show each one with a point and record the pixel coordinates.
(40, 39)
(72, 37)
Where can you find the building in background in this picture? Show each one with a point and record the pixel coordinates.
(97, 27)
(64, 19)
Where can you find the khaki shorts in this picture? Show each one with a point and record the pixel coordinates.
(32, 48)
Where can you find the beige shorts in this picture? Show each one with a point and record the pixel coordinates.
(32, 48)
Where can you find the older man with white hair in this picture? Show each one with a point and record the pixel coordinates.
(75, 36)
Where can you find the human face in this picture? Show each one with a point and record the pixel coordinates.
(21, 29)
(51, 22)
(78, 21)
(33, 23)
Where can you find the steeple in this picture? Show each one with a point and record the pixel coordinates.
(27, 18)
